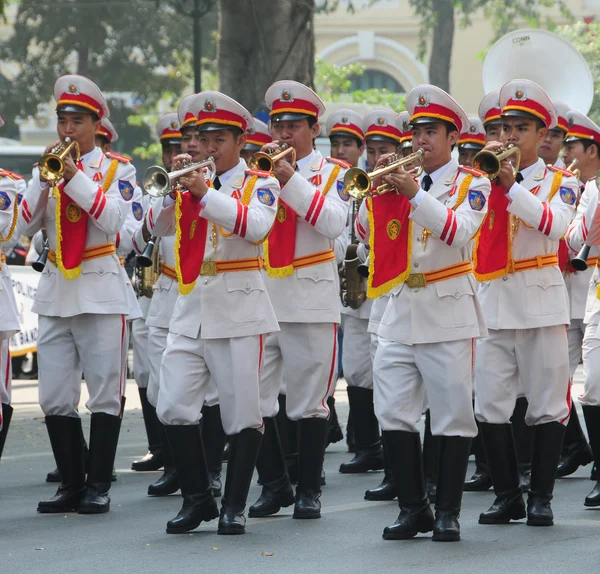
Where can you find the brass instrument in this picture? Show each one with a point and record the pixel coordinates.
(579, 263)
(576, 172)
(491, 161)
(147, 275)
(40, 264)
(265, 161)
(353, 290)
(358, 183)
(52, 164)
(158, 182)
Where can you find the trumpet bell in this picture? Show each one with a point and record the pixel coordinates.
(158, 182)
(265, 161)
(357, 182)
(490, 161)
(52, 164)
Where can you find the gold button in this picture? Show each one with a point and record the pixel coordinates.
(416, 266)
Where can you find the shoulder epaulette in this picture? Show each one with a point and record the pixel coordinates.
(118, 157)
(11, 174)
(339, 162)
(258, 172)
(472, 171)
(561, 170)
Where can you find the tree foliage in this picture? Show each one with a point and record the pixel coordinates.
(128, 46)
(586, 39)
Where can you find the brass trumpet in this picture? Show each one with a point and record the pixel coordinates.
(358, 183)
(52, 164)
(158, 182)
(491, 161)
(265, 161)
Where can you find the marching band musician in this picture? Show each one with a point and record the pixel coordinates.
(385, 133)
(9, 317)
(221, 316)
(584, 230)
(552, 144)
(421, 240)
(82, 298)
(303, 284)
(347, 144)
(162, 303)
(576, 451)
(490, 115)
(256, 137)
(471, 141)
(524, 299)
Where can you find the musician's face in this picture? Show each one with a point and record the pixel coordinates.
(190, 143)
(169, 151)
(436, 140)
(224, 146)
(524, 133)
(493, 132)
(103, 144)
(377, 148)
(297, 134)
(587, 159)
(78, 127)
(465, 156)
(346, 148)
(551, 145)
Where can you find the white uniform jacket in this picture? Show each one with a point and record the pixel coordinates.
(166, 289)
(312, 294)
(536, 297)
(234, 304)
(9, 318)
(586, 229)
(447, 310)
(101, 288)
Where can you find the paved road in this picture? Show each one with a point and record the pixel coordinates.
(131, 538)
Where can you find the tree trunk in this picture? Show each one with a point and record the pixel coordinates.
(441, 48)
(83, 58)
(261, 41)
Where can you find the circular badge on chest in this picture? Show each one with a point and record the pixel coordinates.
(393, 229)
(73, 212)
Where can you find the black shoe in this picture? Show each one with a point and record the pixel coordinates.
(53, 476)
(506, 507)
(66, 439)
(334, 433)
(311, 453)
(369, 453)
(153, 459)
(187, 450)
(547, 446)
(7, 412)
(592, 422)
(411, 521)
(214, 439)
(197, 508)
(274, 496)
(167, 484)
(501, 456)
(243, 452)
(406, 467)
(104, 436)
(454, 458)
(387, 489)
(481, 481)
(431, 459)
(277, 491)
(573, 457)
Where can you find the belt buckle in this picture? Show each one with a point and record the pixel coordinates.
(416, 280)
(208, 268)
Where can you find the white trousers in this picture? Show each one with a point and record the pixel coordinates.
(575, 334)
(185, 379)
(5, 373)
(591, 367)
(305, 354)
(89, 342)
(404, 375)
(356, 356)
(157, 344)
(540, 358)
(141, 368)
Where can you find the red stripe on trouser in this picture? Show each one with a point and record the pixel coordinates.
(569, 401)
(123, 356)
(332, 370)
(261, 343)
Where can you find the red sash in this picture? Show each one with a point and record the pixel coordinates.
(71, 226)
(190, 240)
(492, 256)
(390, 240)
(280, 246)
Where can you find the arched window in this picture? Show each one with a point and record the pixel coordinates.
(374, 79)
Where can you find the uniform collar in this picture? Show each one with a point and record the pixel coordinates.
(312, 161)
(93, 158)
(229, 177)
(537, 169)
(438, 174)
